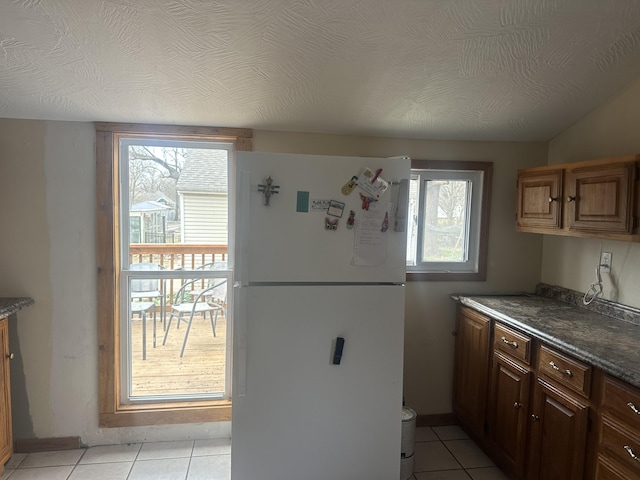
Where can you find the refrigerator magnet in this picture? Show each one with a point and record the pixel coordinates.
(318, 205)
(268, 189)
(330, 224)
(350, 186)
(366, 201)
(385, 223)
(351, 219)
(372, 183)
(335, 209)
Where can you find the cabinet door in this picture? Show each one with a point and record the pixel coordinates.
(471, 369)
(599, 198)
(539, 200)
(509, 413)
(558, 434)
(6, 447)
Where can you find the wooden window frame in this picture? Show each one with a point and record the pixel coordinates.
(483, 240)
(112, 413)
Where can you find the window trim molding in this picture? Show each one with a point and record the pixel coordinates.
(111, 412)
(483, 242)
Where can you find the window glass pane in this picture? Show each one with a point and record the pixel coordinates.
(445, 220)
(177, 194)
(175, 204)
(178, 336)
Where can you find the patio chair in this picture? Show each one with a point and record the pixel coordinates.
(217, 295)
(189, 302)
(149, 289)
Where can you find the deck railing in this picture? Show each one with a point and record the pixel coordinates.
(175, 256)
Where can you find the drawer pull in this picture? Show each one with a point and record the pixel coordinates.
(633, 408)
(517, 405)
(557, 368)
(535, 417)
(631, 454)
(10, 356)
(511, 344)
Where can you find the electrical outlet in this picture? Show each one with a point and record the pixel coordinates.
(605, 262)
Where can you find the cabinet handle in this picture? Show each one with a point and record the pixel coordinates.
(553, 199)
(571, 199)
(633, 408)
(631, 454)
(535, 418)
(557, 368)
(10, 356)
(517, 405)
(511, 344)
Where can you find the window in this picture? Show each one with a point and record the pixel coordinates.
(449, 217)
(163, 236)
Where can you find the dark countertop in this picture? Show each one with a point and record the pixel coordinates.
(600, 340)
(11, 305)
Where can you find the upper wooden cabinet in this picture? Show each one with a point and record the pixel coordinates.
(596, 198)
(540, 199)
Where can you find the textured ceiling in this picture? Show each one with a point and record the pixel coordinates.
(449, 69)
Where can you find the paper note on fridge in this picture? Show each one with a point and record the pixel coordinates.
(372, 183)
(370, 244)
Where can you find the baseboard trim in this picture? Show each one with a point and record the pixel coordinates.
(29, 445)
(437, 420)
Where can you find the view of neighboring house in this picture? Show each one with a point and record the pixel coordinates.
(203, 196)
(151, 221)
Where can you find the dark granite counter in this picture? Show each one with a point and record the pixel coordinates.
(604, 341)
(11, 305)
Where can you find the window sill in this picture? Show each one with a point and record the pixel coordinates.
(167, 413)
(446, 277)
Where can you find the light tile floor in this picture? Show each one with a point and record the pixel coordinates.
(183, 460)
(441, 453)
(447, 453)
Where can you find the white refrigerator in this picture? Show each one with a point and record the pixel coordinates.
(319, 317)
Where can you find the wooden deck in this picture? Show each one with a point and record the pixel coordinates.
(200, 370)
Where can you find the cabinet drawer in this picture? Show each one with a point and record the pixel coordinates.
(623, 401)
(621, 443)
(608, 468)
(565, 370)
(512, 343)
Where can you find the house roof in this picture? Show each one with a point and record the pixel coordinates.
(205, 170)
(148, 206)
(436, 69)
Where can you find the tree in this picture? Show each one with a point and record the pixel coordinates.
(452, 199)
(155, 169)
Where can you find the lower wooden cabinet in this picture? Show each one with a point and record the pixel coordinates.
(528, 406)
(471, 370)
(618, 431)
(559, 422)
(508, 413)
(6, 438)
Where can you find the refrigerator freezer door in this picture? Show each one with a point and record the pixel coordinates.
(280, 243)
(302, 416)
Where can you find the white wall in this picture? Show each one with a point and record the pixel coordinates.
(48, 252)
(610, 130)
(25, 270)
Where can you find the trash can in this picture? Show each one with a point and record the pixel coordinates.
(407, 443)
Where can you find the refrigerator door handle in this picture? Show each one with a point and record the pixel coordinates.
(243, 228)
(240, 341)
